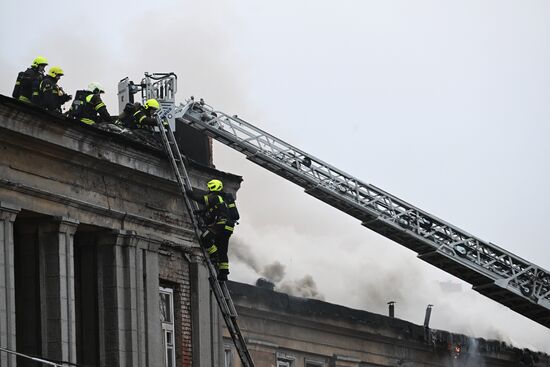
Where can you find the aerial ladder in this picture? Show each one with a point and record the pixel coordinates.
(162, 87)
(494, 272)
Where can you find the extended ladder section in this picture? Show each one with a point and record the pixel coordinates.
(220, 290)
(493, 271)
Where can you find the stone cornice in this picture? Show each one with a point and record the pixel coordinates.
(104, 151)
(56, 166)
(90, 207)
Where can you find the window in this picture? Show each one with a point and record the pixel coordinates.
(228, 356)
(311, 363)
(284, 363)
(285, 360)
(167, 324)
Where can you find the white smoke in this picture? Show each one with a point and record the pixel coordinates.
(473, 357)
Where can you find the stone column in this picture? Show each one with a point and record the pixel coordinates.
(7, 284)
(129, 309)
(57, 288)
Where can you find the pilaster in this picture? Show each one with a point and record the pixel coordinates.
(7, 283)
(56, 246)
(128, 267)
(205, 339)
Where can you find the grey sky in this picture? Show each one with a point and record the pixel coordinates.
(443, 104)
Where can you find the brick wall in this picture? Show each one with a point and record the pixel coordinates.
(174, 273)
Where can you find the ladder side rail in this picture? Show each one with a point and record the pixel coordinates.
(35, 359)
(479, 253)
(227, 295)
(225, 303)
(440, 236)
(237, 335)
(389, 198)
(183, 180)
(229, 315)
(324, 174)
(266, 144)
(334, 176)
(246, 126)
(323, 178)
(234, 329)
(326, 178)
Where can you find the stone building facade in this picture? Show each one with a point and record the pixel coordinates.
(94, 236)
(287, 331)
(99, 266)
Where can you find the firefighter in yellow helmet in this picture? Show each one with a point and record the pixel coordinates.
(88, 106)
(136, 116)
(52, 96)
(220, 216)
(28, 81)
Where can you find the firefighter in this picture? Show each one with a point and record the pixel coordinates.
(219, 224)
(52, 96)
(88, 106)
(136, 116)
(28, 81)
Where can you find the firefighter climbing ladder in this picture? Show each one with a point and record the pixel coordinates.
(219, 289)
(493, 271)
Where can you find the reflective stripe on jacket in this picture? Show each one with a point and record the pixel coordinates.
(94, 110)
(27, 84)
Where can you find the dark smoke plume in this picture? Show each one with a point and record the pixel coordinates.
(275, 273)
(305, 287)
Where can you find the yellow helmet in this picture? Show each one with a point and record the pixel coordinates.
(215, 185)
(152, 103)
(40, 60)
(55, 71)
